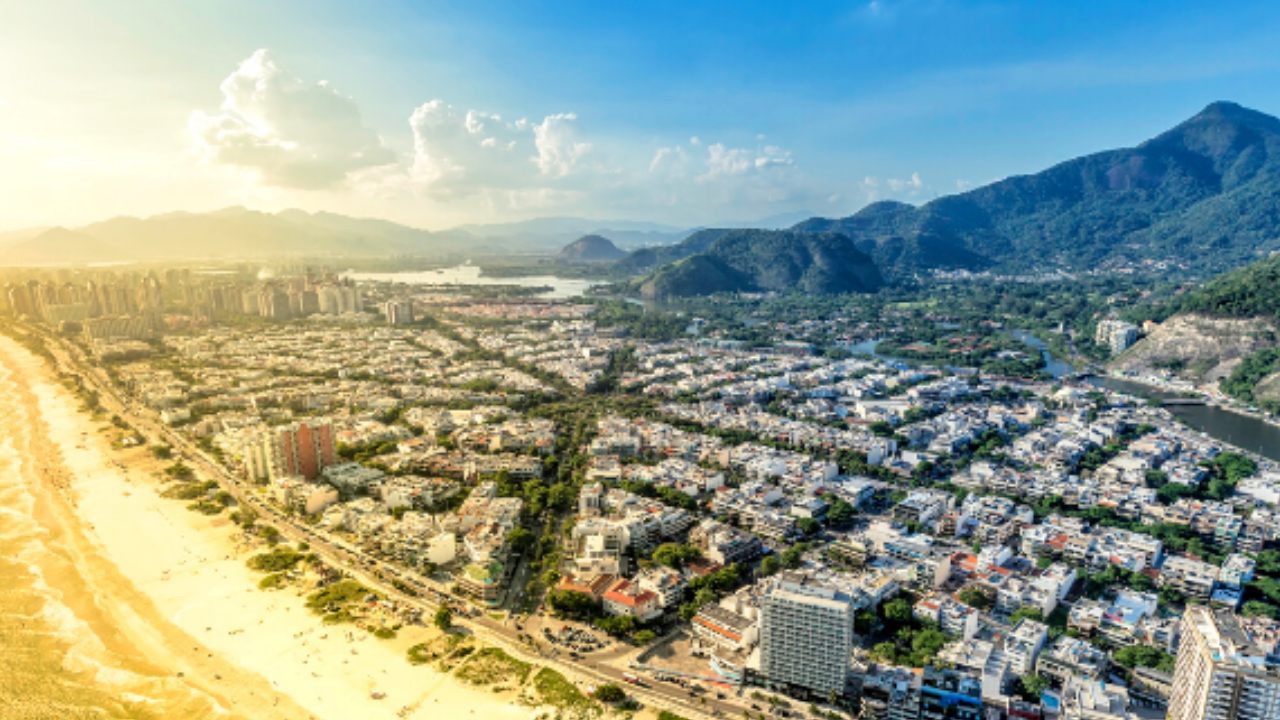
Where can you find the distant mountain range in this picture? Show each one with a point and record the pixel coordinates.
(229, 233)
(1205, 194)
(240, 233)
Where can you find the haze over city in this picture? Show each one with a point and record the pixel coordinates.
(887, 360)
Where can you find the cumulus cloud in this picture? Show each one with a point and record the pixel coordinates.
(708, 175)
(292, 133)
(299, 134)
(559, 150)
(911, 184)
(875, 188)
(718, 162)
(462, 153)
(722, 161)
(457, 152)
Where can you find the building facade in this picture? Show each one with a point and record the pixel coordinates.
(806, 636)
(1221, 672)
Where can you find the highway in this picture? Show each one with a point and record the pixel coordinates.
(372, 572)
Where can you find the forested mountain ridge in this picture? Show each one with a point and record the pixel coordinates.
(766, 260)
(1205, 193)
(1251, 291)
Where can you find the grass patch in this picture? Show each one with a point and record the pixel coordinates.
(556, 690)
(453, 659)
(207, 507)
(272, 581)
(384, 633)
(188, 490)
(434, 649)
(493, 665)
(277, 560)
(334, 601)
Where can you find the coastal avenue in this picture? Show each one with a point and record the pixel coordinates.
(365, 569)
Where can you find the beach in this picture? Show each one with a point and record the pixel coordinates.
(151, 606)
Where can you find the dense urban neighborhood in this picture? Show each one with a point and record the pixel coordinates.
(694, 520)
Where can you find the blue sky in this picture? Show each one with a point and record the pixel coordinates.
(674, 112)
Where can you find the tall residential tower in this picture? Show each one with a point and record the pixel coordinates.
(1223, 672)
(806, 635)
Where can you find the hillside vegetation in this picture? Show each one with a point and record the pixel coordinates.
(1227, 331)
(768, 260)
(1252, 291)
(1205, 194)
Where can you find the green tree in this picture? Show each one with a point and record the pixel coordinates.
(1026, 613)
(610, 693)
(840, 513)
(769, 565)
(897, 611)
(1144, 656)
(974, 598)
(1032, 686)
(1255, 608)
(443, 618)
(574, 605)
(675, 555)
(519, 539)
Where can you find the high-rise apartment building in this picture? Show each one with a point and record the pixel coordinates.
(299, 450)
(398, 312)
(1223, 672)
(806, 635)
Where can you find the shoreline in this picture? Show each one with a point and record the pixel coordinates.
(177, 590)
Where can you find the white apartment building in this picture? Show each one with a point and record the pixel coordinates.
(806, 635)
(1222, 673)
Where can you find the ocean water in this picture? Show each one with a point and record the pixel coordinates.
(61, 657)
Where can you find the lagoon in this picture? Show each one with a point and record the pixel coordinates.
(462, 275)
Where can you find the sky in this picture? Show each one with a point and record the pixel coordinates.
(444, 113)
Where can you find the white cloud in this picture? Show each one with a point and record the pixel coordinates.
(712, 176)
(557, 141)
(912, 184)
(469, 162)
(876, 188)
(725, 161)
(292, 133)
(670, 161)
(459, 153)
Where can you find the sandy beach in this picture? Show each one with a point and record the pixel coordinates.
(156, 601)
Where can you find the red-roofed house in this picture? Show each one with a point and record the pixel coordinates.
(627, 598)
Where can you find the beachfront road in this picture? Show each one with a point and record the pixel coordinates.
(370, 571)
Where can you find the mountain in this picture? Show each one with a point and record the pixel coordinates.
(49, 246)
(551, 233)
(1205, 194)
(1225, 332)
(649, 258)
(13, 237)
(1251, 291)
(230, 233)
(590, 249)
(764, 260)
